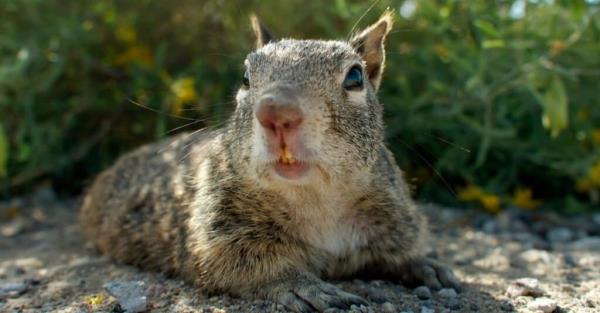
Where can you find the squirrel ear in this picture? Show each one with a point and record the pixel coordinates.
(262, 34)
(369, 44)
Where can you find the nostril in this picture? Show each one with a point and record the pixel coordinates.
(275, 116)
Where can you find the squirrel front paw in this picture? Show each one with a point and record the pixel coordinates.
(310, 295)
(425, 271)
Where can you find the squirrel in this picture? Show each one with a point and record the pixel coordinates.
(297, 187)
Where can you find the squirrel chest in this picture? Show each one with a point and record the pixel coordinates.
(329, 227)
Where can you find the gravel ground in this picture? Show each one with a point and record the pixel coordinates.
(514, 262)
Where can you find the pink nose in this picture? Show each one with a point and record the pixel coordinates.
(277, 116)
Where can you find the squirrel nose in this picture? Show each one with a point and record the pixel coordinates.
(278, 116)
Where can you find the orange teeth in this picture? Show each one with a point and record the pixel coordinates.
(286, 156)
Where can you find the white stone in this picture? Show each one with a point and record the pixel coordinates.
(545, 305)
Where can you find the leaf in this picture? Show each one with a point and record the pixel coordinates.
(487, 28)
(3, 152)
(555, 103)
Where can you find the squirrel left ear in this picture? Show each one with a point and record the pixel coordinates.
(262, 34)
(369, 44)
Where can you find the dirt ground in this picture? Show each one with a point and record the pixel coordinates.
(46, 266)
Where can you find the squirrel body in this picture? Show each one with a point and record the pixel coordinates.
(296, 188)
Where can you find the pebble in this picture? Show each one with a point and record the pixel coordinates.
(506, 306)
(569, 260)
(453, 304)
(379, 295)
(560, 235)
(543, 304)
(592, 297)
(524, 287)
(387, 307)
(425, 309)
(447, 293)
(359, 309)
(586, 244)
(596, 218)
(11, 289)
(423, 293)
(131, 295)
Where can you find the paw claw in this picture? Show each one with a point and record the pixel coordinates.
(431, 274)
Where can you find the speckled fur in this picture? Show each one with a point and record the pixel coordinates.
(204, 206)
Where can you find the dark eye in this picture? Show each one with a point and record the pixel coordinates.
(354, 79)
(246, 79)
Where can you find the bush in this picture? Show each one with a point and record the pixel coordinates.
(493, 103)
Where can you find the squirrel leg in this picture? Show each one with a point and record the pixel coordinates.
(304, 292)
(428, 272)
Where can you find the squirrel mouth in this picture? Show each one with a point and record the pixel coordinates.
(289, 167)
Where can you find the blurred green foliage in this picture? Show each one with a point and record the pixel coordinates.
(496, 100)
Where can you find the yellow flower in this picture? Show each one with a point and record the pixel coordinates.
(584, 184)
(184, 91)
(591, 179)
(583, 115)
(557, 46)
(596, 135)
(138, 54)
(126, 34)
(523, 198)
(441, 51)
(95, 300)
(470, 193)
(490, 203)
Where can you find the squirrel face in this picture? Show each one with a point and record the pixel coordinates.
(307, 109)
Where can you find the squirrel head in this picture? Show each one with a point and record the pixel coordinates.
(307, 109)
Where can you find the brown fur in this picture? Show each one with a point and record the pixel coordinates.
(202, 205)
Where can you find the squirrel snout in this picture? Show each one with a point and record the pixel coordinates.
(278, 116)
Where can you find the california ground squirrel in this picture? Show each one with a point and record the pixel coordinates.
(298, 186)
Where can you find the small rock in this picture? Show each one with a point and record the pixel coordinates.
(490, 226)
(14, 227)
(474, 307)
(592, 297)
(427, 303)
(447, 293)
(589, 243)
(506, 306)
(379, 295)
(524, 287)
(453, 304)
(11, 290)
(423, 293)
(388, 307)
(425, 309)
(569, 260)
(560, 235)
(130, 295)
(543, 304)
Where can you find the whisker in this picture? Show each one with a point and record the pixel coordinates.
(450, 143)
(360, 19)
(185, 125)
(160, 112)
(444, 181)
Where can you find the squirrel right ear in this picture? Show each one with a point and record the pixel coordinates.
(262, 34)
(369, 44)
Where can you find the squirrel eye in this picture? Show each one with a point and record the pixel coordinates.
(246, 79)
(354, 79)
